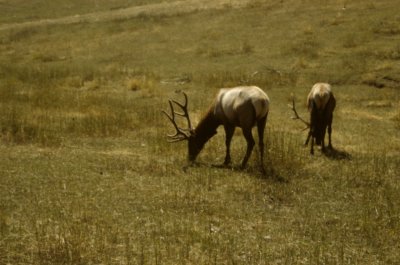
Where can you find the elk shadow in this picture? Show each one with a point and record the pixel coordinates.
(337, 154)
(197, 164)
(194, 164)
(272, 174)
(268, 173)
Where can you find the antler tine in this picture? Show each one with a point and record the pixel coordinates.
(184, 107)
(179, 135)
(297, 117)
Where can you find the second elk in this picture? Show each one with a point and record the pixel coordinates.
(321, 104)
(243, 107)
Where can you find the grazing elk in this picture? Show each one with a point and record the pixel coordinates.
(242, 107)
(320, 103)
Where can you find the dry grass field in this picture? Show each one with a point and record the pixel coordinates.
(86, 173)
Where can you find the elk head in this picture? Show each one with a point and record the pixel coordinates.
(182, 134)
(309, 125)
(296, 115)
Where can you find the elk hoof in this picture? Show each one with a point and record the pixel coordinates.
(227, 162)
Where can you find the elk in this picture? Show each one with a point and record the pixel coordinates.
(244, 107)
(320, 104)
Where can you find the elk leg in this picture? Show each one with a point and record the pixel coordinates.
(261, 127)
(312, 145)
(329, 135)
(311, 133)
(323, 141)
(330, 132)
(229, 130)
(308, 138)
(250, 144)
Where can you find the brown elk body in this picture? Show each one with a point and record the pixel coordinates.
(243, 107)
(321, 104)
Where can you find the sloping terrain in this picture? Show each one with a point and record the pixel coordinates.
(164, 8)
(86, 173)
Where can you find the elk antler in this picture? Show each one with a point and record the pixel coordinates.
(181, 133)
(296, 115)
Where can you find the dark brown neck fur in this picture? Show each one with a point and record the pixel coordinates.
(207, 127)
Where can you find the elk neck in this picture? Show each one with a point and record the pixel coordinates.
(207, 127)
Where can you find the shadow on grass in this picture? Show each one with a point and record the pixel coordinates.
(337, 154)
(272, 174)
(262, 173)
(267, 174)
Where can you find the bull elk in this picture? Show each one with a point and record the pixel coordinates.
(243, 107)
(320, 104)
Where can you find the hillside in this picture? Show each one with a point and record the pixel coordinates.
(87, 175)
